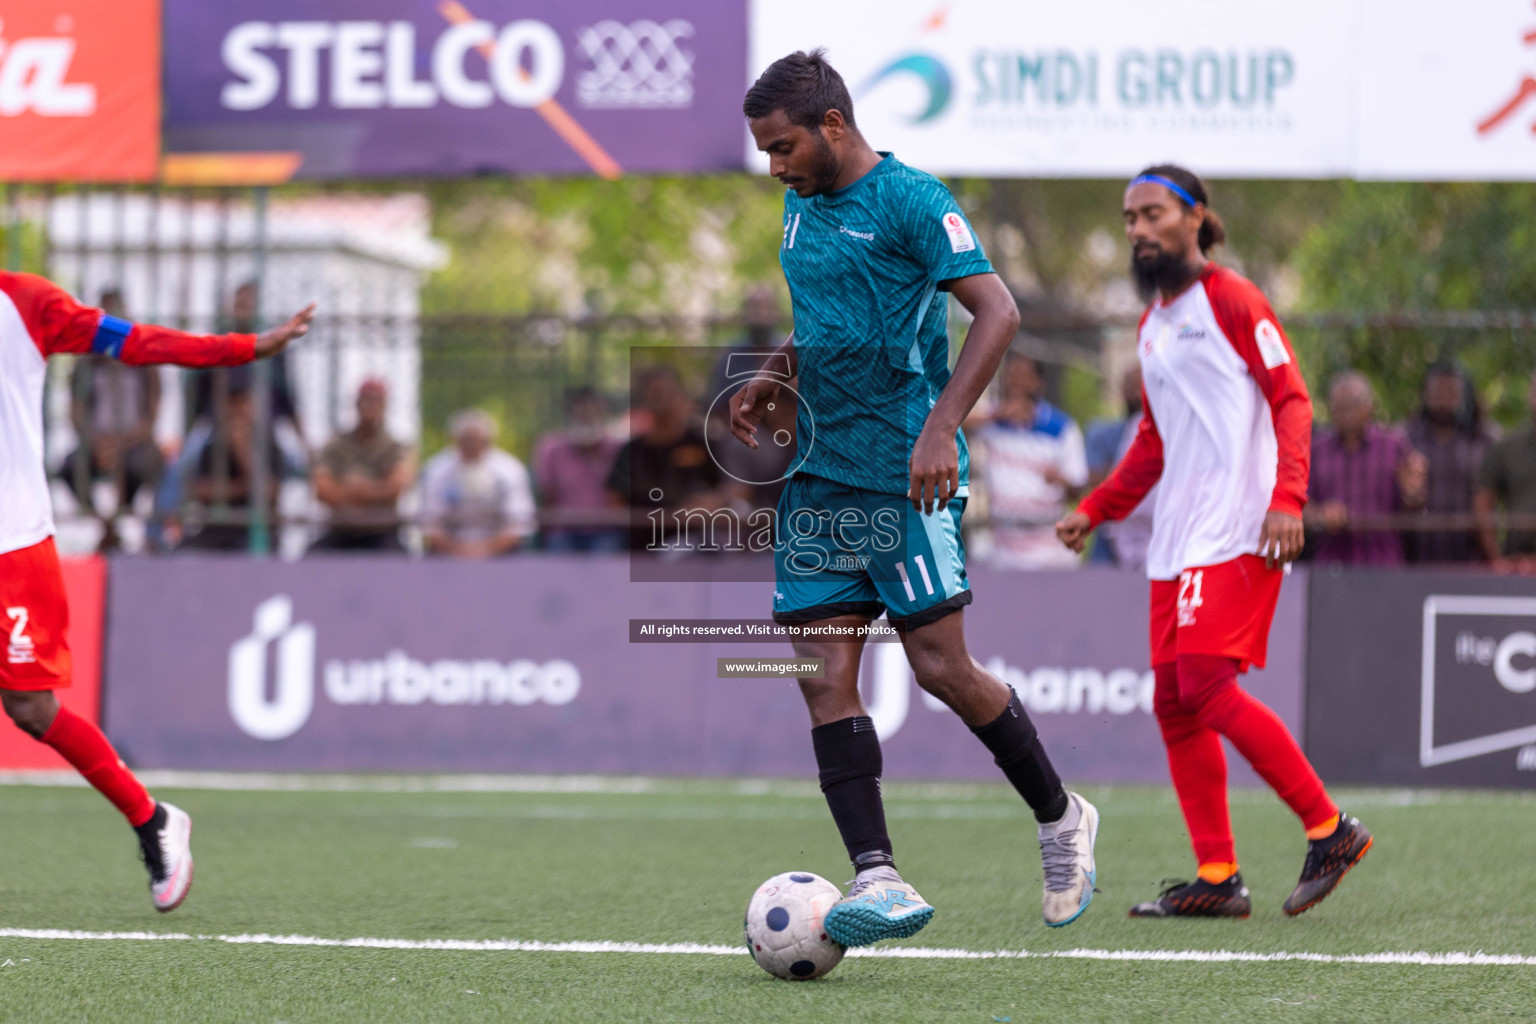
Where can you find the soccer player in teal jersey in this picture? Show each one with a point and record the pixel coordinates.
(869, 524)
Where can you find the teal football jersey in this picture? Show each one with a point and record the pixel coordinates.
(864, 265)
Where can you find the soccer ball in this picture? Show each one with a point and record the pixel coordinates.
(783, 925)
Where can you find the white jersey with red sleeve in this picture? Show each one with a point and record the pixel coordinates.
(1227, 429)
(38, 319)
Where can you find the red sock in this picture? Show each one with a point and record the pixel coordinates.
(84, 746)
(1208, 684)
(1199, 769)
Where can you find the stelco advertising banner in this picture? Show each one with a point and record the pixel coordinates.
(367, 88)
(975, 87)
(532, 665)
(1422, 679)
(80, 90)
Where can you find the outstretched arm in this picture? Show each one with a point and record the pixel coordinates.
(57, 323)
(149, 343)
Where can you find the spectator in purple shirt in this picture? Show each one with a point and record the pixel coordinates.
(1360, 472)
(1449, 431)
(570, 469)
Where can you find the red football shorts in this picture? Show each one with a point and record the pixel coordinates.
(1225, 610)
(34, 617)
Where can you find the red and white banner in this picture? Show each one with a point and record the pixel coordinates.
(80, 90)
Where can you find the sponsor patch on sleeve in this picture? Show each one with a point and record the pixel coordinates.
(1271, 346)
(960, 237)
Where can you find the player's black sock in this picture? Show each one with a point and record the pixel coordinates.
(155, 823)
(848, 759)
(1016, 746)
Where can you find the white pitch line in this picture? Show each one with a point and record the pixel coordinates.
(699, 948)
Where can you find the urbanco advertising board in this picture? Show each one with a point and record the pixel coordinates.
(527, 665)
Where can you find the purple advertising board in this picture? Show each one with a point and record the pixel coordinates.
(1422, 678)
(528, 665)
(375, 88)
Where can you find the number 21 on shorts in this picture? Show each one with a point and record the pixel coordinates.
(1190, 582)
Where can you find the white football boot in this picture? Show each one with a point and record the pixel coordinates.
(1066, 854)
(167, 853)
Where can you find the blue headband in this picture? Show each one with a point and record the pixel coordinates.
(1167, 183)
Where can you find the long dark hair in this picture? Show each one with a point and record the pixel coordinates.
(804, 86)
(1212, 233)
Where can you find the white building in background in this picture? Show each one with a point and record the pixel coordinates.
(362, 259)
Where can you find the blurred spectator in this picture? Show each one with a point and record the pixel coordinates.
(207, 385)
(666, 467)
(477, 501)
(1032, 462)
(113, 408)
(571, 467)
(1360, 471)
(1448, 431)
(755, 477)
(1508, 477)
(761, 316)
(360, 475)
(218, 474)
(1122, 543)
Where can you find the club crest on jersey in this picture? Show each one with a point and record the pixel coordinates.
(1271, 345)
(960, 237)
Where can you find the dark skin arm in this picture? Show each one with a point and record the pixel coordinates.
(935, 457)
(750, 404)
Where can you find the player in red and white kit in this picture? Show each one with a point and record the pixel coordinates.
(37, 320)
(1226, 437)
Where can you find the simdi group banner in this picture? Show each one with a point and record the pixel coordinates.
(527, 665)
(80, 90)
(368, 88)
(1390, 89)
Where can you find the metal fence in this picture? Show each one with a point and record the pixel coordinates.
(213, 260)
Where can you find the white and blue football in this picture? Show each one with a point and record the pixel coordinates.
(784, 933)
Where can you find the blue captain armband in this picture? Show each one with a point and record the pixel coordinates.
(110, 335)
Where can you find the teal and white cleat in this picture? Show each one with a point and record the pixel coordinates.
(1066, 853)
(879, 906)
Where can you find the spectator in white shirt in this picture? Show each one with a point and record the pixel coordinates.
(1033, 461)
(477, 501)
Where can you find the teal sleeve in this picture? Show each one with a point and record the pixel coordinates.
(939, 236)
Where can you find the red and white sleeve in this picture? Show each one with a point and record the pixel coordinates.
(57, 324)
(1247, 320)
(1136, 474)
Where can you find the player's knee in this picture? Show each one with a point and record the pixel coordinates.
(33, 712)
(1168, 705)
(1204, 682)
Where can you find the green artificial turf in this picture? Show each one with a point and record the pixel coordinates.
(677, 862)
